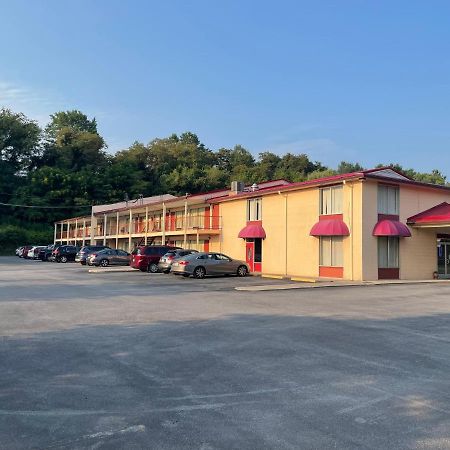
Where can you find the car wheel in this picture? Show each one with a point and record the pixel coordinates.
(242, 271)
(152, 268)
(199, 272)
(104, 263)
(63, 259)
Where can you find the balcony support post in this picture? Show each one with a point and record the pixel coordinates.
(117, 229)
(163, 237)
(130, 222)
(104, 228)
(146, 224)
(185, 223)
(84, 232)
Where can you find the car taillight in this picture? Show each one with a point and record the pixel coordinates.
(94, 254)
(183, 263)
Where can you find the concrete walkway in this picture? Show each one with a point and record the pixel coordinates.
(326, 284)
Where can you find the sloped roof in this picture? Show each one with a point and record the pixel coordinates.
(437, 214)
(387, 174)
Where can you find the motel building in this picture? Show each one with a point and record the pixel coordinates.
(368, 225)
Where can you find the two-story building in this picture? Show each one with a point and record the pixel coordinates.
(368, 225)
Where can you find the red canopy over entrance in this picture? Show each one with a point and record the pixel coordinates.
(330, 227)
(389, 227)
(252, 231)
(439, 214)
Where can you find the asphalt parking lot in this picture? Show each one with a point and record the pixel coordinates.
(144, 361)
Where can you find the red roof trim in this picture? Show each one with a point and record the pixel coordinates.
(436, 214)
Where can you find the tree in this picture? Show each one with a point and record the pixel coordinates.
(74, 119)
(19, 140)
(347, 167)
(72, 142)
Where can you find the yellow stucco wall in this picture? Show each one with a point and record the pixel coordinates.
(417, 258)
(287, 219)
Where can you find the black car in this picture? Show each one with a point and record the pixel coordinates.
(45, 253)
(85, 251)
(65, 253)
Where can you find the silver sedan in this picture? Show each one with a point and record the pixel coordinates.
(201, 264)
(109, 257)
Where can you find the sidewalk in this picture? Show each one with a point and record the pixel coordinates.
(301, 283)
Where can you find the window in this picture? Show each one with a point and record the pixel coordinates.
(197, 218)
(254, 209)
(258, 251)
(221, 257)
(388, 200)
(331, 251)
(388, 252)
(331, 200)
(179, 219)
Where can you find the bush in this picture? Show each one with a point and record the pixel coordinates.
(13, 236)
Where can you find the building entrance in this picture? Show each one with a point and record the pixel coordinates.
(253, 254)
(443, 257)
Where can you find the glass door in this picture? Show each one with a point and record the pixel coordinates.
(443, 257)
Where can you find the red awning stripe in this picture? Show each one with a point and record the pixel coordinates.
(252, 231)
(330, 227)
(391, 228)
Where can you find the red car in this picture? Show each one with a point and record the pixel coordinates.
(146, 257)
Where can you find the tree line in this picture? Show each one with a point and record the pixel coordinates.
(66, 164)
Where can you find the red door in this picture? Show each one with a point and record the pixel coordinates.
(250, 255)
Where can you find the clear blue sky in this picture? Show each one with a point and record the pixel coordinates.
(365, 81)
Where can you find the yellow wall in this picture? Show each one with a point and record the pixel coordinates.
(417, 257)
(287, 219)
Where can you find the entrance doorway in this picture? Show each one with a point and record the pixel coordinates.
(443, 257)
(253, 254)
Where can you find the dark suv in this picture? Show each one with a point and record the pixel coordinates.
(85, 251)
(65, 253)
(45, 253)
(146, 257)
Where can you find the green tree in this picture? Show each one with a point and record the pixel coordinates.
(19, 140)
(74, 120)
(348, 167)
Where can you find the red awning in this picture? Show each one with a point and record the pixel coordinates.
(388, 227)
(252, 231)
(438, 214)
(330, 227)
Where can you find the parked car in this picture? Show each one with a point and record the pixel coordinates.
(46, 252)
(146, 257)
(85, 251)
(165, 263)
(208, 263)
(24, 253)
(33, 253)
(64, 253)
(19, 251)
(109, 257)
